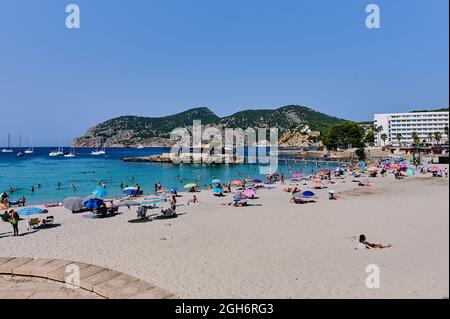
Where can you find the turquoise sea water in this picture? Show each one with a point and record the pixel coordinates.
(86, 171)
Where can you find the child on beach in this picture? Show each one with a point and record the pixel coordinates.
(363, 243)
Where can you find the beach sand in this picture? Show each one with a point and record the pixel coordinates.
(277, 250)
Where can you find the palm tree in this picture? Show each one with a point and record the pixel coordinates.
(430, 137)
(437, 137)
(399, 137)
(415, 138)
(446, 130)
(384, 138)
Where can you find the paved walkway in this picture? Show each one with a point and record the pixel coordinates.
(101, 281)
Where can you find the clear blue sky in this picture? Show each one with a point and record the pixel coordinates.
(158, 57)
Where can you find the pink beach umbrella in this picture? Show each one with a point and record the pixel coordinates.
(249, 192)
(296, 175)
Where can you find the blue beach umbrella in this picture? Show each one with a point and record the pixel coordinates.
(216, 181)
(217, 190)
(307, 194)
(29, 211)
(92, 203)
(130, 191)
(154, 199)
(237, 198)
(256, 180)
(173, 189)
(100, 192)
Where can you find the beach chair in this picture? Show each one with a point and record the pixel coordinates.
(49, 220)
(33, 223)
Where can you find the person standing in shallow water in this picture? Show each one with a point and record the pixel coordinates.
(14, 220)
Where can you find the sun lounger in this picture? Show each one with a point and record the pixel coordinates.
(49, 220)
(33, 223)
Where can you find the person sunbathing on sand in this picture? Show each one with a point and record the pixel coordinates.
(364, 184)
(364, 243)
(194, 200)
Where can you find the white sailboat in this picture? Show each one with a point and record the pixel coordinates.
(98, 152)
(8, 149)
(71, 153)
(29, 150)
(20, 153)
(58, 152)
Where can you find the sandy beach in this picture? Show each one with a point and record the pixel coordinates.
(277, 250)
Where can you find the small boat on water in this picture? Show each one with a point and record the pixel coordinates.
(71, 153)
(8, 149)
(56, 153)
(20, 153)
(29, 150)
(99, 151)
(140, 146)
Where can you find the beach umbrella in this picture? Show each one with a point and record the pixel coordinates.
(73, 203)
(217, 190)
(237, 182)
(296, 175)
(307, 194)
(154, 199)
(297, 195)
(128, 203)
(29, 211)
(410, 172)
(173, 189)
(92, 203)
(190, 185)
(100, 192)
(249, 192)
(435, 170)
(216, 181)
(256, 180)
(317, 181)
(237, 198)
(130, 191)
(3, 206)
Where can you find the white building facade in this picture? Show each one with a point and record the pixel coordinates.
(423, 123)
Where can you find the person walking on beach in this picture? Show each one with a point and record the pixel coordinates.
(14, 220)
(446, 172)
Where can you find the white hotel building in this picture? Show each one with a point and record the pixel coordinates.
(422, 123)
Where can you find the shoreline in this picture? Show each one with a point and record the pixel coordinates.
(277, 250)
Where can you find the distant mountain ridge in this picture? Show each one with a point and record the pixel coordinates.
(132, 131)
